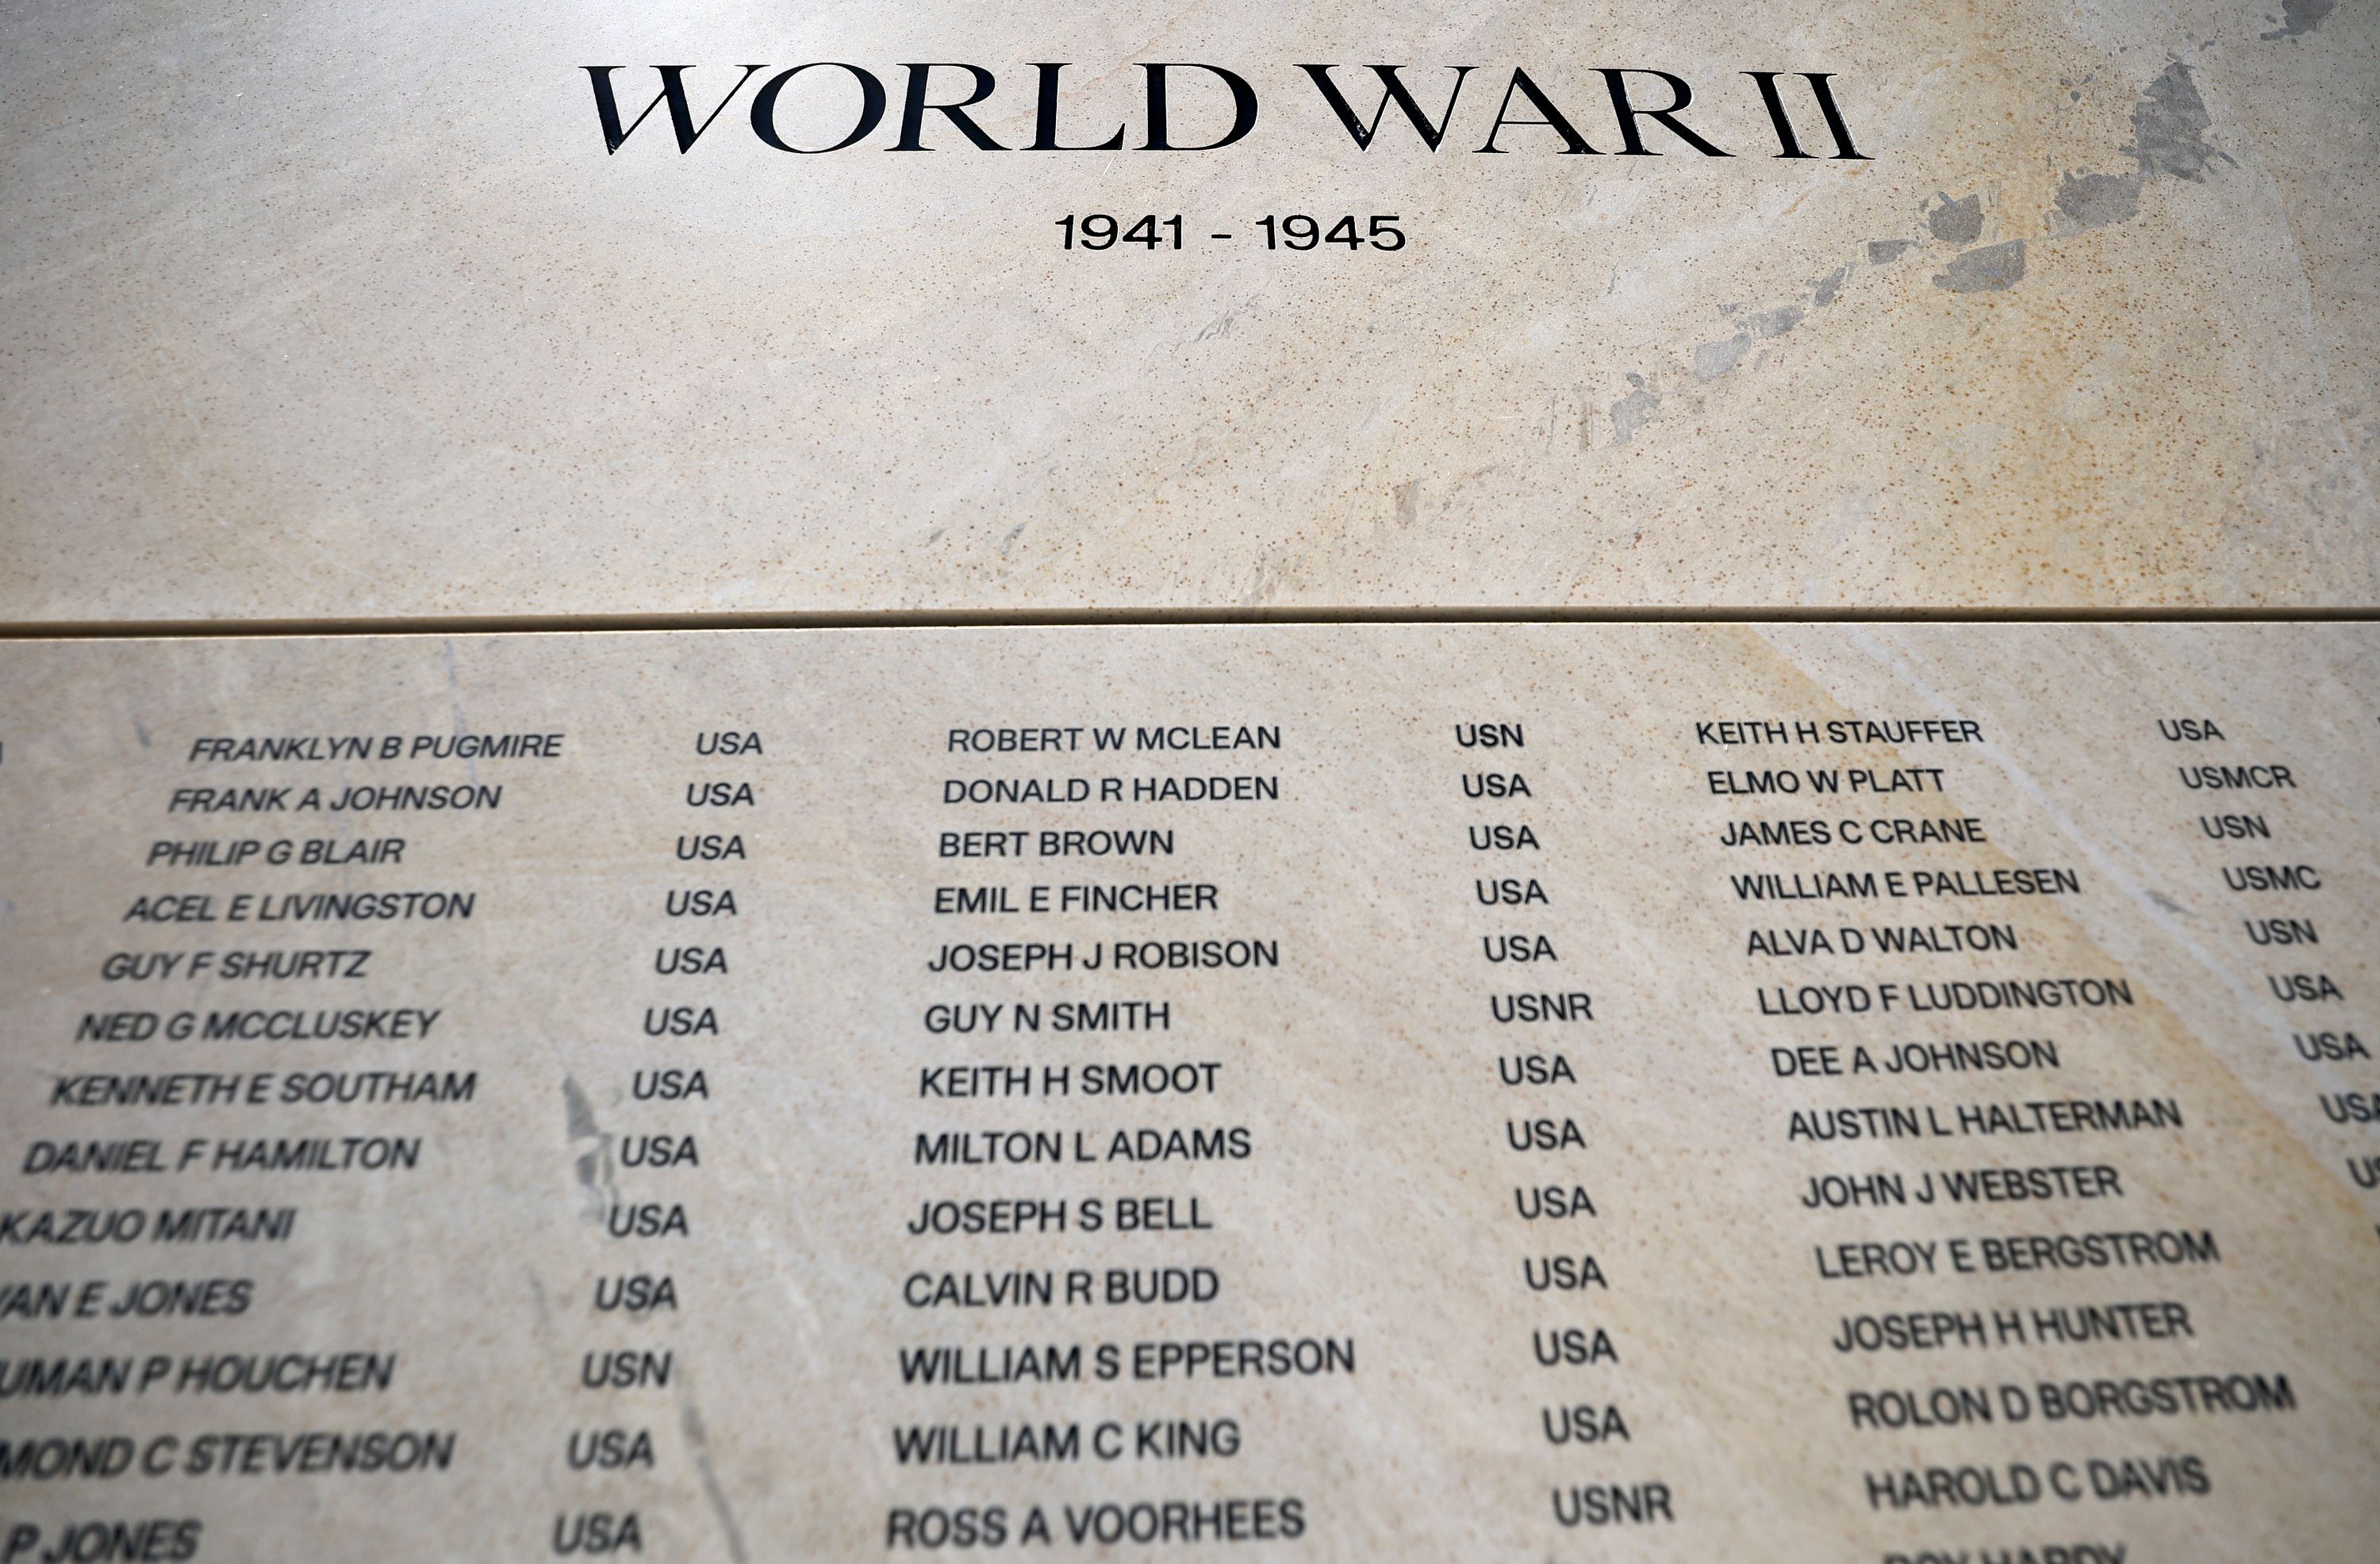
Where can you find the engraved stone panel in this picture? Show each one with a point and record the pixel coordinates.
(332, 310)
(1650, 1092)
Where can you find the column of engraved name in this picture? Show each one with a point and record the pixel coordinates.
(1076, 1154)
(264, 982)
(1912, 995)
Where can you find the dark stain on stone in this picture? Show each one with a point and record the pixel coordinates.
(2094, 200)
(1713, 359)
(1635, 410)
(578, 1114)
(690, 1423)
(1988, 270)
(2170, 126)
(1956, 222)
(2298, 18)
(593, 1166)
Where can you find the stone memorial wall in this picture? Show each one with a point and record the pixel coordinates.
(1276, 782)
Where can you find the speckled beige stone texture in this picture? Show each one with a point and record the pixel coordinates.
(1377, 1202)
(316, 311)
